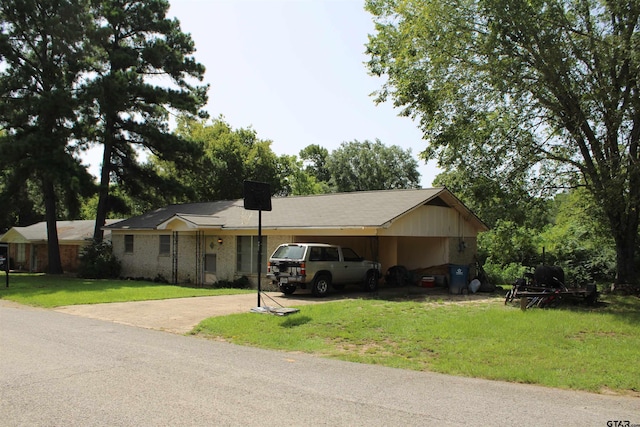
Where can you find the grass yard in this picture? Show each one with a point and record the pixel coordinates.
(592, 349)
(53, 291)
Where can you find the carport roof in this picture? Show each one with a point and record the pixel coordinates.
(337, 210)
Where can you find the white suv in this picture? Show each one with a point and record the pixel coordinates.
(320, 266)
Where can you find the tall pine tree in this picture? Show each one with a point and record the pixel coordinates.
(42, 50)
(144, 70)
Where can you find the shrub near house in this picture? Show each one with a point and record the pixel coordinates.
(97, 261)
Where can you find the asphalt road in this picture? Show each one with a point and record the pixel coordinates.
(58, 369)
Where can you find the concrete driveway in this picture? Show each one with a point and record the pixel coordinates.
(181, 315)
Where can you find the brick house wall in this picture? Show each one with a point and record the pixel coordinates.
(146, 262)
(69, 257)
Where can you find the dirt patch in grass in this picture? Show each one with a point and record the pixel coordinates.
(631, 393)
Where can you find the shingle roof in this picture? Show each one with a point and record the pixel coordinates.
(68, 231)
(357, 209)
(336, 210)
(152, 219)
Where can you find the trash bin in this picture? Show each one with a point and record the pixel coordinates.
(458, 278)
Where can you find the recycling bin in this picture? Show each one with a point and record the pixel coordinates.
(458, 278)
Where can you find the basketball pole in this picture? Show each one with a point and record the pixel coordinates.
(259, 252)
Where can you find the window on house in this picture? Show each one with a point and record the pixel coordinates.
(128, 243)
(21, 255)
(210, 261)
(247, 255)
(165, 245)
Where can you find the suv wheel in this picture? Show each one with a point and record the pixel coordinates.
(288, 289)
(371, 282)
(321, 286)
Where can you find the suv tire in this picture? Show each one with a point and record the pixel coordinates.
(371, 282)
(321, 285)
(288, 289)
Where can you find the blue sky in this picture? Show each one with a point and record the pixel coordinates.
(294, 71)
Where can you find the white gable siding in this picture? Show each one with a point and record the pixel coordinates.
(431, 221)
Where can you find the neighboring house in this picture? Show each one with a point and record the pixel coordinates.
(28, 245)
(202, 243)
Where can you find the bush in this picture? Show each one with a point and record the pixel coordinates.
(504, 275)
(97, 261)
(239, 283)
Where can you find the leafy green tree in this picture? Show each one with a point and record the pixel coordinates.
(227, 158)
(511, 243)
(508, 250)
(361, 166)
(145, 70)
(548, 86)
(121, 204)
(18, 197)
(315, 158)
(298, 180)
(495, 200)
(42, 54)
(583, 248)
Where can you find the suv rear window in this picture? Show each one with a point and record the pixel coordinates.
(289, 252)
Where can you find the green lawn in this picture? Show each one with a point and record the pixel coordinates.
(54, 291)
(593, 349)
(573, 347)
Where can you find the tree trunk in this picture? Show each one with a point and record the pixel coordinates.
(53, 247)
(625, 235)
(105, 175)
(625, 259)
(103, 194)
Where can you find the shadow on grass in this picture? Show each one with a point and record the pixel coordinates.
(21, 283)
(419, 294)
(53, 290)
(626, 308)
(293, 321)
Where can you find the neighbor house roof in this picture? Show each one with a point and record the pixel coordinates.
(336, 210)
(69, 232)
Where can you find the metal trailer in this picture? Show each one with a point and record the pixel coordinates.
(530, 292)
